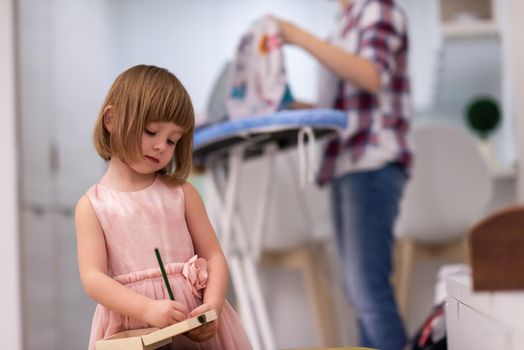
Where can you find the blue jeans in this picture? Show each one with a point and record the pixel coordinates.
(365, 205)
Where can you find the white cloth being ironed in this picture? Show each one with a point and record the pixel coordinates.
(257, 77)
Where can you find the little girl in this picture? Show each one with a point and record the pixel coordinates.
(145, 132)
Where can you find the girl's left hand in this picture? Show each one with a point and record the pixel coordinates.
(206, 331)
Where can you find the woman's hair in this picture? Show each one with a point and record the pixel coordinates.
(141, 95)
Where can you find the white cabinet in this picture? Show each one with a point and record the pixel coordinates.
(483, 320)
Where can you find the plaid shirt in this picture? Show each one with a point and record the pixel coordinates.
(378, 123)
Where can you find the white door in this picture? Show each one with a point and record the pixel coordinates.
(63, 61)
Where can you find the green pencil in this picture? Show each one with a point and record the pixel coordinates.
(164, 274)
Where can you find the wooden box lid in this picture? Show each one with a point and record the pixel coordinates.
(497, 251)
(153, 338)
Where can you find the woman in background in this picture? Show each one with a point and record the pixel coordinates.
(366, 165)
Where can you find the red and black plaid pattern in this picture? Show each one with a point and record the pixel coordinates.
(379, 27)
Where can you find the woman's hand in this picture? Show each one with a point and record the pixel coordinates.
(163, 313)
(206, 331)
(290, 33)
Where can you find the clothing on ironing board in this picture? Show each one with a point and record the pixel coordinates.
(257, 77)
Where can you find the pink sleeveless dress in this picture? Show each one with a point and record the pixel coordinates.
(134, 224)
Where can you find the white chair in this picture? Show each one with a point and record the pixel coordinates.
(449, 190)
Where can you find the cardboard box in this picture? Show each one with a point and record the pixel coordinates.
(153, 338)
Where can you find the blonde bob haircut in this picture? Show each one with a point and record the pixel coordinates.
(141, 95)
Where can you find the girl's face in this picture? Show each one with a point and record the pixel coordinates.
(158, 146)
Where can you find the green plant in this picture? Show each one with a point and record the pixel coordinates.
(483, 116)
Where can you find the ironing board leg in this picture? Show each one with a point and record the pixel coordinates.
(258, 302)
(242, 267)
(225, 193)
(230, 195)
(265, 195)
(246, 313)
(251, 256)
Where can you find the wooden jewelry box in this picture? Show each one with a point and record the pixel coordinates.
(153, 338)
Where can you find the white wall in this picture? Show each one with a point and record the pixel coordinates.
(424, 45)
(9, 255)
(514, 70)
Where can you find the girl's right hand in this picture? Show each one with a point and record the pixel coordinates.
(163, 313)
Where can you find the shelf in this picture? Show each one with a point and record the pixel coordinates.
(470, 30)
(468, 18)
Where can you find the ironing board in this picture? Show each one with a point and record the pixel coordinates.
(222, 147)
